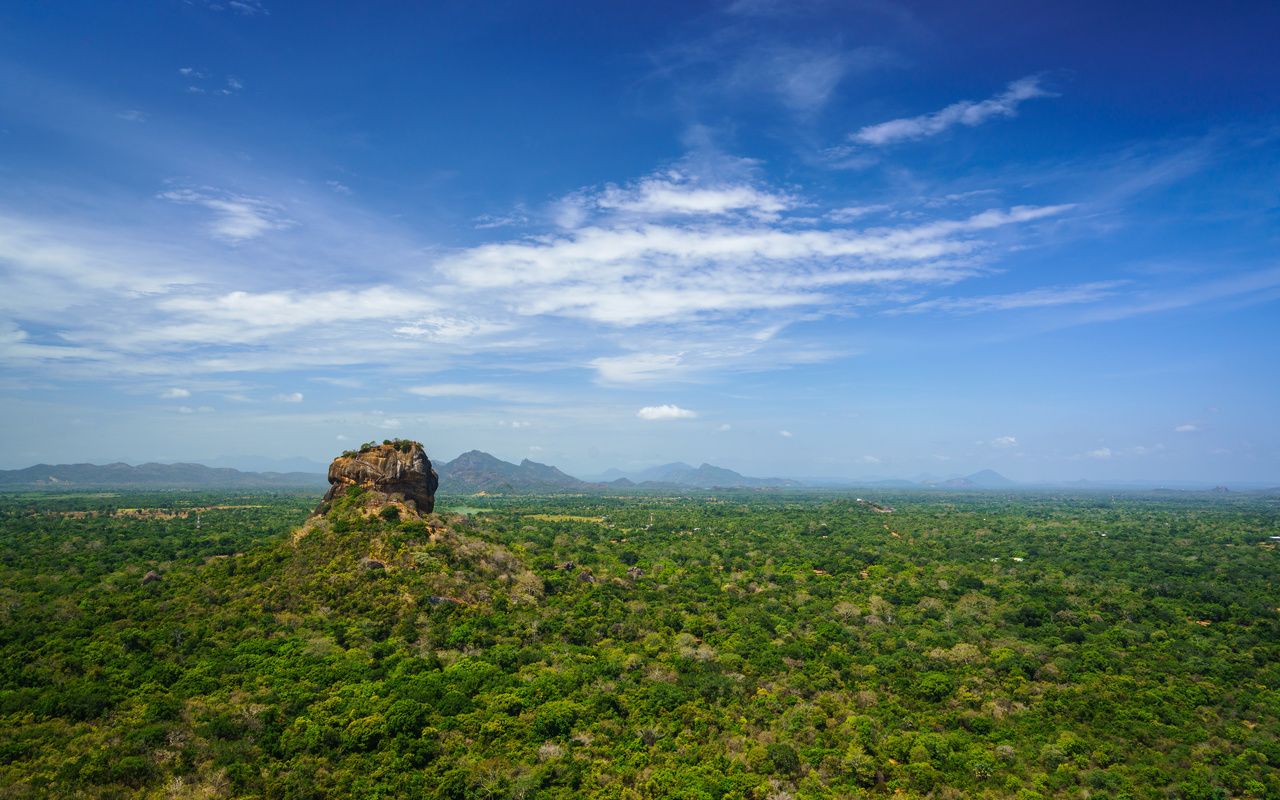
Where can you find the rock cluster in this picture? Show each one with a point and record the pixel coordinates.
(398, 473)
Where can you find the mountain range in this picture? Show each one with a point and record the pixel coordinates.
(706, 476)
(480, 472)
(189, 476)
(476, 471)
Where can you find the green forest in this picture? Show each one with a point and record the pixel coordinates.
(717, 645)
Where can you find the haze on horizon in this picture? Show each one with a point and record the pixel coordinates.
(785, 238)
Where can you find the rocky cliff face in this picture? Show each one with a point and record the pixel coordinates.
(399, 472)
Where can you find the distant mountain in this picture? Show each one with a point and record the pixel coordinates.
(664, 473)
(990, 479)
(678, 474)
(264, 464)
(476, 471)
(121, 475)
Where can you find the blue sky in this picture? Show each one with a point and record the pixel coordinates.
(788, 238)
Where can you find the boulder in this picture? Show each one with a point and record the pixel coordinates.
(398, 472)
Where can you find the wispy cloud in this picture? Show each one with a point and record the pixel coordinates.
(132, 115)
(291, 397)
(743, 58)
(665, 412)
(517, 217)
(1004, 442)
(848, 214)
(1034, 298)
(966, 112)
(671, 247)
(637, 367)
(459, 390)
(175, 393)
(801, 78)
(681, 194)
(1188, 428)
(236, 217)
(702, 256)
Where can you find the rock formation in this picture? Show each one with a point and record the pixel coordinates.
(399, 472)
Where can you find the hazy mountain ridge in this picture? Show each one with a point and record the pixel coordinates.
(181, 475)
(476, 471)
(706, 476)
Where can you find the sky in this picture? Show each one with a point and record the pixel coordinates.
(844, 239)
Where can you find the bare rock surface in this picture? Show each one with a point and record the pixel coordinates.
(399, 472)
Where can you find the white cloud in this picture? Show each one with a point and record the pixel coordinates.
(246, 7)
(1188, 428)
(131, 115)
(248, 317)
(175, 393)
(1102, 452)
(291, 397)
(1004, 441)
(1035, 298)
(629, 270)
(786, 434)
(725, 428)
(682, 194)
(714, 258)
(237, 217)
(440, 328)
(518, 217)
(341, 438)
(234, 83)
(637, 367)
(338, 187)
(869, 460)
(459, 390)
(347, 383)
(665, 412)
(850, 213)
(965, 112)
(186, 410)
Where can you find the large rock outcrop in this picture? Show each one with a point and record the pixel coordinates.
(399, 472)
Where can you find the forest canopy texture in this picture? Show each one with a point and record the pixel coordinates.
(718, 645)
